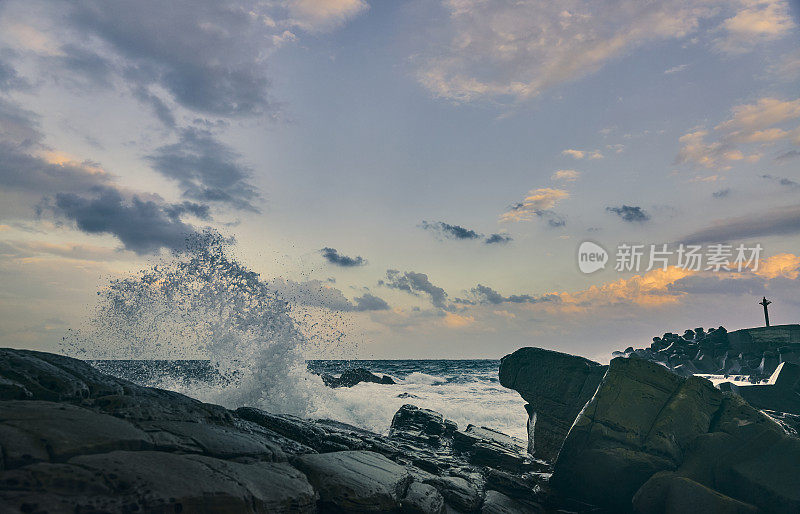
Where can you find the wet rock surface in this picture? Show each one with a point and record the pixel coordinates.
(74, 439)
(354, 376)
(644, 420)
(645, 440)
(556, 386)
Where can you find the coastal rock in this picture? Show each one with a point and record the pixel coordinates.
(422, 499)
(668, 493)
(30, 375)
(148, 481)
(353, 376)
(412, 422)
(644, 420)
(498, 503)
(556, 386)
(355, 481)
(487, 447)
(40, 431)
(458, 492)
(640, 421)
(747, 456)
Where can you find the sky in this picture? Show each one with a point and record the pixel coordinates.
(425, 171)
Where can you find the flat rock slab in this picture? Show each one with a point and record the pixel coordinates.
(39, 431)
(149, 481)
(213, 440)
(356, 481)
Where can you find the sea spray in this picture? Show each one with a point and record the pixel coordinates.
(202, 304)
(251, 346)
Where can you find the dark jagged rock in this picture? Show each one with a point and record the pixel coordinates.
(422, 499)
(667, 492)
(80, 440)
(644, 419)
(353, 376)
(556, 386)
(356, 481)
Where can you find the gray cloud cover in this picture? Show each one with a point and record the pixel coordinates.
(206, 169)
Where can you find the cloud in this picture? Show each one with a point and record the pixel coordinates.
(498, 239)
(566, 175)
(207, 56)
(416, 284)
(334, 257)
(758, 21)
(143, 226)
(206, 169)
(485, 295)
(75, 251)
(316, 293)
(370, 302)
(10, 80)
(317, 15)
(675, 69)
(784, 221)
(539, 203)
(783, 181)
(762, 122)
(630, 213)
(722, 193)
(582, 154)
(787, 156)
(514, 50)
(450, 231)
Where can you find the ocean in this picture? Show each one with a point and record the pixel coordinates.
(465, 391)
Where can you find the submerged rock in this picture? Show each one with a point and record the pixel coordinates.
(556, 386)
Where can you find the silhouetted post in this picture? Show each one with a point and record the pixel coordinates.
(765, 302)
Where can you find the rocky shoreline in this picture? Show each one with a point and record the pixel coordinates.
(631, 436)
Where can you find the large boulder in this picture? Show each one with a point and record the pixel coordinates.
(668, 493)
(556, 386)
(640, 421)
(355, 481)
(714, 450)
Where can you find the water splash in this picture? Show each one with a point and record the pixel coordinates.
(203, 304)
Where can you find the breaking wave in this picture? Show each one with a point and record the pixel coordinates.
(247, 346)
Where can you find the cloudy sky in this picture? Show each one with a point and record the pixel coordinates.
(425, 170)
